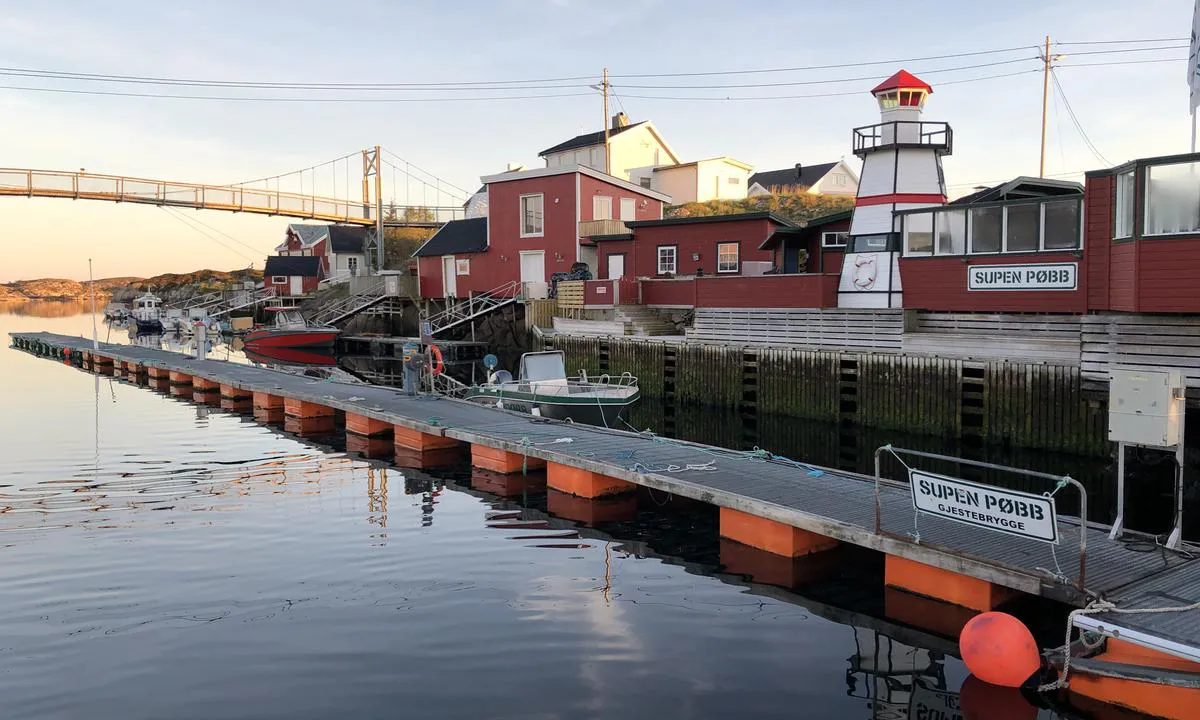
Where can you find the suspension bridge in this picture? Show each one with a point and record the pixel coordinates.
(313, 193)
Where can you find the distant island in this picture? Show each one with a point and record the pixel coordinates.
(170, 286)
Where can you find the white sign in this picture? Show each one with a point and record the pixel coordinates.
(930, 704)
(1009, 511)
(601, 289)
(1039, 276)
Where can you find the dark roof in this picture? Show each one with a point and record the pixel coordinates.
(456, 236)
(809, 175)
(305, 265)
(347, 238)
(734, 217)
(611, 238)
(1022, 187)
(588, 139)
(804, 227)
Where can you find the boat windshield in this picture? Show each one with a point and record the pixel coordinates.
(289, 319)
(543, 367)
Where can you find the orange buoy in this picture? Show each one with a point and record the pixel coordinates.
(438, 366)
(982, 701)
(999, 649)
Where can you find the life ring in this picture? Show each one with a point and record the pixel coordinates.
(438, 366)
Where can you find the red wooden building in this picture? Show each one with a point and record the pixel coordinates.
(537, 220)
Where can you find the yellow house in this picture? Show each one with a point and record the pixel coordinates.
(630, 145)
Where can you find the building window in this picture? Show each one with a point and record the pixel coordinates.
(734, 181)
(628, 209)
(918, 234)
(1172, 199)
(279, 280)
(727, 257)
(951, 232)
(644, 182)
(1022, 227)
(531, 216)
(352, 265)
(1123, 222)
(462, 267)
(834, 239)
(839, 179)
(986, 229)
(1060, 225)
(601, 207)
(666, 259)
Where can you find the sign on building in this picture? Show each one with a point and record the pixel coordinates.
(1034, 276)
(1008, 511)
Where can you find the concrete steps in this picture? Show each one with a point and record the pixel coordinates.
(643, 321)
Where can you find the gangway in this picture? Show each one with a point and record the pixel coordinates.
(457, 313)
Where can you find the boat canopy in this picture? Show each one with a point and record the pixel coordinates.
(544, 367)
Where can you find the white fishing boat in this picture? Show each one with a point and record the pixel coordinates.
(147, 313)
(544, 389)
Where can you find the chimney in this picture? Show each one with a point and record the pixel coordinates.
(515, 167)
(619, 121)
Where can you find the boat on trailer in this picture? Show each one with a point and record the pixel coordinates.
(290, 329)
(543, 389)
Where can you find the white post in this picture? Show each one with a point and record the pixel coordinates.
(1193, 130)
(200, 337)
(92, 281)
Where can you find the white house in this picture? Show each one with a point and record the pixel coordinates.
(698, 181)
(632, 145)
(341, 248)
(835, 178)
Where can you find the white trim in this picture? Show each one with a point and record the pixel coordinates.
(578, 219)
(581, 169)
(658, 260)
(1187, 652)
(279, 279)
(721, 158)
(521, 215)
(846, 242)
(737, 261)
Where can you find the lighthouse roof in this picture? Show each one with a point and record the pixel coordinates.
(903, 79)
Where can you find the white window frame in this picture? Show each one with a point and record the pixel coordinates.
(352, 265)
(279, 280)
(1078, 228)
(541, 232)
(598, 207)
(733, 180)
(1004, 249)
(658, 259)
(737, 256)
(631, 204)
(845, 239)
(462, 266)
(908, 252)
(971, 234)
(1146, 173)
(645, 181)
(1132, 191)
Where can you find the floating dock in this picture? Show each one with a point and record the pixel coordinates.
(779, 506)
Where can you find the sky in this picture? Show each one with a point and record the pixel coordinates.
(1127, 110)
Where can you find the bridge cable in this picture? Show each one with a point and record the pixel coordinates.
(171, 212)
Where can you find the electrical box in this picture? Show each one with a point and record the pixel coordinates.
(1145, 407)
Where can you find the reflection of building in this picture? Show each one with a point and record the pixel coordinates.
(892, 676)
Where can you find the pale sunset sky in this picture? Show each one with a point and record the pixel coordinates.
(1128, 106)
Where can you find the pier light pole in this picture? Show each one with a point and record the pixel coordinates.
(92, 283)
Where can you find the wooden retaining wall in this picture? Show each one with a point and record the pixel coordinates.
(1028, 405)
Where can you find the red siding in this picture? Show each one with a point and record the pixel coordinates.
(941, 284)
(598, 292)
(1097, 240)
(669, 292)
(1166, 270)
(589, 187)
(285, 288)
(1122, 276)
(768, 291)
(614, 247)
(699, 238)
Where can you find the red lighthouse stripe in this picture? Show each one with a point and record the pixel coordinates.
(933, 198)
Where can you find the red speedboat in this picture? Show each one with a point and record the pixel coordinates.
(290, 330)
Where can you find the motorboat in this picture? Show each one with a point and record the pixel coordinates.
(543, 389)
(290, 329)
(147, 313)
(116, 312)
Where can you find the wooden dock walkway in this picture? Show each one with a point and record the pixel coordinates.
(823, 502)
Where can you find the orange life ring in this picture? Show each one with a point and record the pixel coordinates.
(438, 366)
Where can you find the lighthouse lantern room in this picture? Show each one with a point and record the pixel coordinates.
(902, 170)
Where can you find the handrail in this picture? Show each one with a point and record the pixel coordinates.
(476, 305)
(1059, 480)
(871, 137)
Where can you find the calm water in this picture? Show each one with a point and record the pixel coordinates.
(163, 559)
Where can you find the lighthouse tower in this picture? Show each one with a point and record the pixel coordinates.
(902, 169)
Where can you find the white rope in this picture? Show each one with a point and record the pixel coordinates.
(1097, 607)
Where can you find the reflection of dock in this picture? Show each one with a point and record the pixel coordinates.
(782, 507)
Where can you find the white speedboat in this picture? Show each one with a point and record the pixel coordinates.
(147, 313)
(544, 389)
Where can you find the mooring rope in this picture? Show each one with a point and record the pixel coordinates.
(1097, 607)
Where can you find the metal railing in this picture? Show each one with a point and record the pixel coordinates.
(347, 307)
(1059, 481)
(903, 133)
(242, 300)
(79, 185)
(457, 313)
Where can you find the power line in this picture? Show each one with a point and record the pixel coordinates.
(225, 234)
(1128, 50)
(1122, 42)
(171, 212)
(1074, 119)
(1125, 62)
(242, 98)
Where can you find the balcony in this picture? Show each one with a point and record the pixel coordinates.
(592, 228)
(903, 134)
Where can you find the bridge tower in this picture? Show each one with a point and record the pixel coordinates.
(372, 158)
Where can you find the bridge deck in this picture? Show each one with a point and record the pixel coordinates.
(830, 502)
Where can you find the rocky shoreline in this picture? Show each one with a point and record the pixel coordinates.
(171, 287)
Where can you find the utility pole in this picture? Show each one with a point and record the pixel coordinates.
(1045, 97)
(379, 205)
(604, 91)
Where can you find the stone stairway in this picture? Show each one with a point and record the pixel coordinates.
(643, 321)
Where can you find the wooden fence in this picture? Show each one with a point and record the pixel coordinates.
(800, 327)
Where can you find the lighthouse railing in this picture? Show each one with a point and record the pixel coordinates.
(903, 133)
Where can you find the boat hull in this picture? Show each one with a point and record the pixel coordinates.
(148, 326)
(605, 412)
(290, 338)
